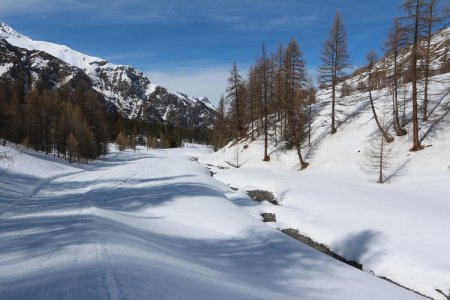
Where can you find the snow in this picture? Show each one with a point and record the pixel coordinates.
(150, 89)
(5, 68)
(398, 230)
(62, 52)
(39, 62)
(152, 225)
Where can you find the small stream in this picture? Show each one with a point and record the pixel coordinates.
(261, 195)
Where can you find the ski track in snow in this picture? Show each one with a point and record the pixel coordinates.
(107, 278)
(155, 225)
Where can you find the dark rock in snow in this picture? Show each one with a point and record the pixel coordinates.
(268, 217)
(294, 233)
(261, 195)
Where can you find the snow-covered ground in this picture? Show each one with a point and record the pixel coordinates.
(154, 225)
(399, 230)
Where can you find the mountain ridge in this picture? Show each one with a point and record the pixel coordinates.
(125, 89)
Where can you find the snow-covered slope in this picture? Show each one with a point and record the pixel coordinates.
(62, 52)
(398, 230)
(151, 225)
(383, 69)
(128, 90)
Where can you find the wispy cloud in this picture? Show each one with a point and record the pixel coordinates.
(267, 23)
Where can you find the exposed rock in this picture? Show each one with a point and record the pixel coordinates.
(294, 233)
(261, 195)
(269, 217)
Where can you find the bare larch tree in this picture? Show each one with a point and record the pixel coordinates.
(235, 101)
(394, 45)
(295, 97)
(415, 12)
(335, 60)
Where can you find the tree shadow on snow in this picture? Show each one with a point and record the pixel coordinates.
(260, 260)
(359, 247)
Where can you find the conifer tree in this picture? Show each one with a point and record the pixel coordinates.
(295, 97)
(335, 60)
(415, 12)
(219, 124)
(394, 45)
(121, 141)
(72, 147)
(234, 98)
(430, 19)
(264, 63)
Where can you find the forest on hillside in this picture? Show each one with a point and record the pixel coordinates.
(75, 123)
(275, 100)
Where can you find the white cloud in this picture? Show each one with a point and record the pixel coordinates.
(209, 81)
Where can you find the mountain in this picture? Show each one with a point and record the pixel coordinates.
(124, 89)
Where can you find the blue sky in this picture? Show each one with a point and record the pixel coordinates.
(190, 45)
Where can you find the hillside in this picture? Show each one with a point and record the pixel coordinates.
(397, 230)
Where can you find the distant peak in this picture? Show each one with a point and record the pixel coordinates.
(9, 30)
(205, 100)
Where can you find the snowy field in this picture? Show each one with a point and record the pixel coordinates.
(156, 225)
(399, 230)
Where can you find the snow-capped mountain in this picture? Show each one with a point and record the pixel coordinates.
(125, 89)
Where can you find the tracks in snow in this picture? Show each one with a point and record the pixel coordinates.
(89, 216)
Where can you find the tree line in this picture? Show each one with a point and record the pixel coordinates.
(272, 101)
(69, 122)
(74, 122)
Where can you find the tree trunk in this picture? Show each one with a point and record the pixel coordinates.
(303, 164)
(427, 62)
(398, 128)
(386, 136)
(309, 123)
(333, 97)
(416, 141)
(380, 177)
(266, 156)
